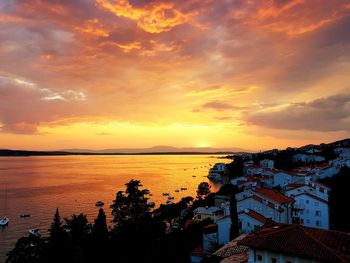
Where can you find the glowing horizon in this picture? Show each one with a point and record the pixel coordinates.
(103, 74)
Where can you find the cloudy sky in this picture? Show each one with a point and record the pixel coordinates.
(97, 74)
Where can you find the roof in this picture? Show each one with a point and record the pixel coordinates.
(296, 185)
(231, 248)
(273, 195)
(207, 210)
(319, 244)
(312, 196)
(256, 216)
(260, 200)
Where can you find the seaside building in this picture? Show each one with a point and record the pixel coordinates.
(282, 243)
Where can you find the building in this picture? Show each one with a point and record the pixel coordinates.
(311, 211)
(282, 243)
(208, 213)
(304, 158)
(249, 221)
(267, 163)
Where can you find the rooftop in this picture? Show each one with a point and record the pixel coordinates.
(273, 195)
(319, 244)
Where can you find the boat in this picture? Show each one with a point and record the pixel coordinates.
(194, 176)
(4, 221)
(177, 190)
(165, 194)
(151, 203)
(99, 203)
(25, 215)
(168, 202)
(170, 197)
(183, 188)
(34, 232)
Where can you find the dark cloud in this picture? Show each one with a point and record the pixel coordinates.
(326, 114)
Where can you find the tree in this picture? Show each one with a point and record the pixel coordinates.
(78, 226)
(203, 190)
(56, 230)
(131, 206)
(234, 230)
(100, 230)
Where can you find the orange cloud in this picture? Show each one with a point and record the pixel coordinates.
(152, 18)
(93, 27)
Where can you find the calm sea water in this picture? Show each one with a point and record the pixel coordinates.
(37, 185)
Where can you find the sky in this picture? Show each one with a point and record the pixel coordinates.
(103, 74)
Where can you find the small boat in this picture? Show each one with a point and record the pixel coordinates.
(168, 202)
(4, 221)
(177, 190)
(99, 203)
(25, 215)
(34, 232)
(194, 176)
(170, 197)
(151, 203)
(183, 188)
(165, 194)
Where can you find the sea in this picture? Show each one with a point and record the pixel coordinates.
(37, 185)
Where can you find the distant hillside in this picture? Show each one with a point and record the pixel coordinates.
(161, 149)
(152, 150)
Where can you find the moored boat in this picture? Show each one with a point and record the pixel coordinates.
(24, 215)
(99, 203)
(34, 232)
(4, 221)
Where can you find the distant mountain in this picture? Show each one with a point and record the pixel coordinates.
(160, 149)
(153, 150)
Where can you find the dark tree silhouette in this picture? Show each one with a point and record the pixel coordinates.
(56, 230)
(203, 190)
(99, 229)
(234, 230)
(131, 206)
(339, 200)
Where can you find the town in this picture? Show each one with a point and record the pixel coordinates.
(276, 203)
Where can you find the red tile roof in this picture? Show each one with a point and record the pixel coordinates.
(275, 196)
(319, 244)
(269, 204)
(256, 216)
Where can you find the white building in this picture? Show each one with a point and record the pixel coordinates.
(224, 226)
(312, 210)
(217, 171)
(250, 221)
(283, 178)
(208, 213)
(267, 163)
(303, 158)
(318, 189)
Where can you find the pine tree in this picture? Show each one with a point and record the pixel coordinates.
(100, 230)
(234, 230)
(56, 230)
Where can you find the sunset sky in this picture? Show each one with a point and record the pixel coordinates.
(188, 73)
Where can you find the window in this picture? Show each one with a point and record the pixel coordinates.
(302, 221)
(307, 221)
(273, 260)
(307, 201)
(316, 203)
(259, 257)
(318, 213)
(318, 223)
